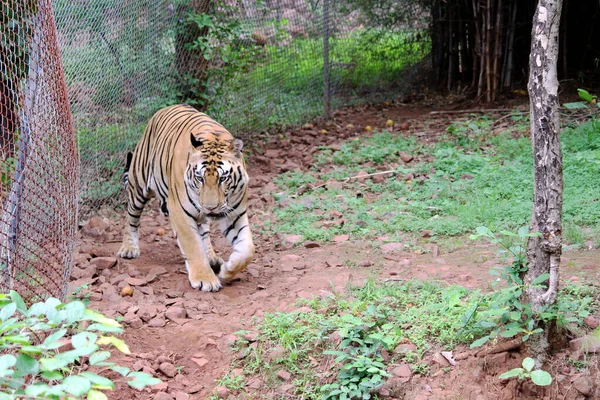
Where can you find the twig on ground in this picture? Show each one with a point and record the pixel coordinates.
(473, 111)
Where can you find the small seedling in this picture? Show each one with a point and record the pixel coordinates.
(538, 377)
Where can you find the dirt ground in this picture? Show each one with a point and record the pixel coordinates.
(182, 336)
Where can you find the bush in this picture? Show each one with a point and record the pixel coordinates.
(53, 350)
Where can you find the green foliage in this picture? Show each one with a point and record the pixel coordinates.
(538, 376)
(502, 314)
(50, 368)
(467, 179)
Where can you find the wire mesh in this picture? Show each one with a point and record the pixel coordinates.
(38, 180)
(252, 65)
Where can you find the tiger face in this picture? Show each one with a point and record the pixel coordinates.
(216, 177)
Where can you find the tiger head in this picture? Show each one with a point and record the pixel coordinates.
(216, 177)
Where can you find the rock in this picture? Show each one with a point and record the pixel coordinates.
(181, 396)
(403, 372)
(163, 396)
(427, 233)
(284, 375)
(200, 361)
(590, 321)
(405, 348)
(104, 262)
(158, 271)
(406, 157)
(168, 369)
(157, 322)
(311, 244)
(586, 344)
(95, 296)
(133, 320)
(175, 313)
(391, 247)
(97, 223)
(136, 281)
(84, 272)
(90, 232)
(147, 312)
(160, 387)
(255, 384)
(341, 238)
(467, 176)
(584, 385)
(441, 360)
(251, 337)
(222, 392)
(115, 280)
(292, 239)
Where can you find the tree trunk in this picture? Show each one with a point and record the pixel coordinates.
(543, 252)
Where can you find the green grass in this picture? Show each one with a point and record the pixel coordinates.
(367, 320)
(283, 85)
(469, 178)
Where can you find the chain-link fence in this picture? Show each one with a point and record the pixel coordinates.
(38, 181)
(252, 65)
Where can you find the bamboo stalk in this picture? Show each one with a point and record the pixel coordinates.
(497, 46)
(488, 44)
(510, 45)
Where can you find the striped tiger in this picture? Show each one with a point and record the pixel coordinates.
(196, 169)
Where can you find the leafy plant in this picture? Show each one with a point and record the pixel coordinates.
(538, 376)
(53, 350)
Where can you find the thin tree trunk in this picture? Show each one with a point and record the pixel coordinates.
(476, 47)
(497, 46)
(543, 252)
(511, 42)
(488, 45)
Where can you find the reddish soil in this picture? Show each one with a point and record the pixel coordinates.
(189, 348)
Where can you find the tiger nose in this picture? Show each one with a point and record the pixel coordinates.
(212, 208)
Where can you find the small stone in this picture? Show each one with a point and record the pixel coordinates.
(90, 232)
(200, 361)
(405, 348)
(160, 270)
(427, 233)
(168, 369)
(365, 264)
(284, 375)
(104, 262)
(403, 372)
(441, 360)
(157, 322)
(292, 239)
(136, 281)
(341, 238)
(181, 396)
(311, 244)
(222, 392)
(406, 157)
(591, 321)
(160, 387)
(584, 385)
(163, 396)
(133, 320)
(147, 312)
(586, 344)
(361, 176)
(96, 296)
(175, 313)
(97, 223)
(255, 384)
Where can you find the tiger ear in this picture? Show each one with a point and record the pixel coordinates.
(195, 142)
(237, 147)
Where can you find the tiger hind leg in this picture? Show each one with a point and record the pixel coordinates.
(130, 248)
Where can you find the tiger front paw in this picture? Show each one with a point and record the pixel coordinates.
(129, 251)
(205, 283)
(228, 271)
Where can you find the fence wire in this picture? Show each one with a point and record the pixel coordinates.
(38, 181)
(252, 65)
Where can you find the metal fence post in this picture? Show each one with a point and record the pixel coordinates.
(326, 86)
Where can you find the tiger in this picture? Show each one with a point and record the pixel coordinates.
(196, 170)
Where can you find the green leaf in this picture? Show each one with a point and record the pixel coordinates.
(52, 375)
(575, 105)
(38, 389)
(480, 342)
(53, 338)
(97, 317)
(541, 378)
(510, 332)
(83, 339)
(37, 309)
(7, 311)
(18, 300)
(528, 364)
(96, 395)
(123, 371)
(98, 380)
(141, 380)
(118, 343)
(104, 328)
(76, 385)
(512, 373)
(99, 357)
(585, 95)
(26, 365)
(540, 279)
(7, 361)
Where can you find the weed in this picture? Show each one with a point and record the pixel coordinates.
(538, 376)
